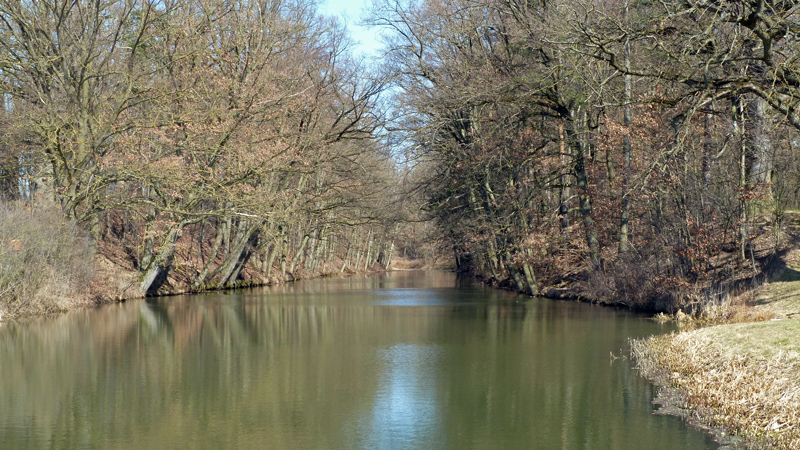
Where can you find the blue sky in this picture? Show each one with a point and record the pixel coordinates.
(351, 11)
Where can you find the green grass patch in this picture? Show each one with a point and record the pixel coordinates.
(758, 339)
(780, 297)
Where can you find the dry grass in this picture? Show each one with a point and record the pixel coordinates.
(45, 265)
(112, 282)
(732, 310)
(729, 309)
(741, 375)
(756, 340)
(745, 389)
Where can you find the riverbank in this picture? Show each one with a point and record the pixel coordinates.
(737, 379)
(117, 283)
(113, 280)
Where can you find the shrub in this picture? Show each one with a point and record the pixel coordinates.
(44, 261)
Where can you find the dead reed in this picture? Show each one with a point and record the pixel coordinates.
(756, 397)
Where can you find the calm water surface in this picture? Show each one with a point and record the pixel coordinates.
(404, 360)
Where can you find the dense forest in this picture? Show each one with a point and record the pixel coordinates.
(188, 141)
(642, 152)
(634, 151)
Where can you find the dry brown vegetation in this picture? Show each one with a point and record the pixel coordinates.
(45, 266)
(755, 395)
(559, 151)
(197, 144)
(48, 264)
(742, 375)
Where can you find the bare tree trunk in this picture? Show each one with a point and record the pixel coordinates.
(369, 249)
(273, 253)
(319, 257)
(313, 242)
(358, 260)
(708, 150)
(298, 254)
(155, 275)
(388, 261)
(201, 278)
(346, 258)
(563, 207)
(760, 142)
(738, 127)
(626, 149)
(266, 262)
(147, 250)
(582, 184)
(330, 250)
(240, 253)
(530, 279)
(226, 231)
(515, 274)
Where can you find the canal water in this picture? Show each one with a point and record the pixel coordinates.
(402, 360)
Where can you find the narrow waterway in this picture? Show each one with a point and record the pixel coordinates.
(403, 360)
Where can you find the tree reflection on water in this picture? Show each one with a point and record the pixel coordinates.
(401, 360)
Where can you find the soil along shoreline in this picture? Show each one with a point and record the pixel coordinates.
(112, 282)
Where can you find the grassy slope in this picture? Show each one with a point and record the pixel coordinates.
(740, 378)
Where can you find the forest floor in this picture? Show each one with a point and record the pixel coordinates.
(741, 381)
